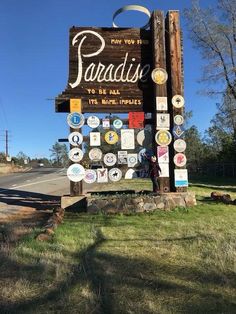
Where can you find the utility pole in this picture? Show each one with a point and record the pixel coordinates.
(6, 138)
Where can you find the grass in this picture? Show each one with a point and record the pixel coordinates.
(182, 261)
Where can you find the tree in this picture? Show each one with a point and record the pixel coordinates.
(59, 154)
(213, 32)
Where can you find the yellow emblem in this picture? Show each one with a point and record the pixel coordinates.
(163, 138)
(111, 137)
(159, 76)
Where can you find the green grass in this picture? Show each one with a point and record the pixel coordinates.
(182, 261)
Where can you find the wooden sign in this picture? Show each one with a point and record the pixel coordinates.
(109, 70)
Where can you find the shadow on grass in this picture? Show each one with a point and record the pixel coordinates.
(123, 285)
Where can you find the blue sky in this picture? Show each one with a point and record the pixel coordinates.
(34, 36)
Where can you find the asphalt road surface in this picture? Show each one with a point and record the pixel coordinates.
(39, 189)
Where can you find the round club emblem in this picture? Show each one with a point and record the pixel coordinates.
(75, 173)
(115, 174)
(93, 122)
(111, 137)
(179, 145)
(178, 119)
(76, 154)
(117, 124)
(159, 76)
(90, 176)
(110, 159)
(163, 137)
(144, 138)
(95, 154)
(75, 138)
(180, 160)
(178, 101)
(75, 120)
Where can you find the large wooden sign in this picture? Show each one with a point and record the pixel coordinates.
(115, 70)
(109, 70)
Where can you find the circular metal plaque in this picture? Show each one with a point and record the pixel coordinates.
(180, 160)
(179, 145)
(178, 101)
(131, 174)
(163, 138)
(144, 138)
(159, 76)
(133, 7)
(75, 173)
(75, 138)
(110, 159)
(95, 154)
(111, 137)
(178, 119)
(93, 122)
(115, 174)
(117, 123)
(75, 120)
(90, 176)
(76, 154)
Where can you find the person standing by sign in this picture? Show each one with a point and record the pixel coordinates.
(154, 172)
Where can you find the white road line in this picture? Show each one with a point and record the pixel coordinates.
(33, 183)
(28, 180)
(14, 185)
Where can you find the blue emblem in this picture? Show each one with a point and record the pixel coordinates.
(75, 120)
(178, 131)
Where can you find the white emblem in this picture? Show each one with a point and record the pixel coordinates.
(163, 121)
(110, 159)
(95, 139)
(161, 104)
(93, 122)
(127, 139)
(132, 160)
(130, 174)
(178, 101)
(117, 123)
(90, 176)
(102, 175)
(75, 173)
(75, 138)
(115, 174)
(144, 138)
(76, 154)
(178, 119)
(180, 160)
(180, 145)
(95, 154)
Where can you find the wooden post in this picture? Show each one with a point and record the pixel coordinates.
(175, 71)
(76, 188)
(159, 61)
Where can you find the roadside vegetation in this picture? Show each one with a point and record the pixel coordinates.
(181, 261)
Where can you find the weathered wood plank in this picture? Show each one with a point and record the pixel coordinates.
(175, 69)
(159, 61)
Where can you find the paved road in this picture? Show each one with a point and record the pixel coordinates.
(39, 189)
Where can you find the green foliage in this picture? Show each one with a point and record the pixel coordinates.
(59, 154)
(2, 157)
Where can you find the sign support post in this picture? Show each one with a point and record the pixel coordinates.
(160, 90)
(175, 70)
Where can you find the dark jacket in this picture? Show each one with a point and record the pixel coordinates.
(154, 169)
